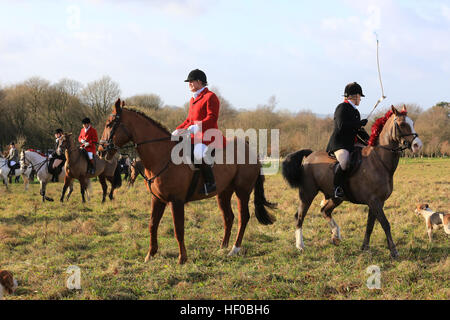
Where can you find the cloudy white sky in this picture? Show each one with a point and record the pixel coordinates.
(303, 52)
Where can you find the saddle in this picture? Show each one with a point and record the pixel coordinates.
(13, 168)
(55, 166)
(195, 178)
(355, 163)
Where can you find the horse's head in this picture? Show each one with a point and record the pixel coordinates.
(113, 138)
(64, 143)
(403, 131)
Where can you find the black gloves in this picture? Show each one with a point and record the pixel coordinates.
(363, 122)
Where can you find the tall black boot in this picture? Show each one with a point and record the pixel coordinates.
(339, 178)
(91, 170)
(208, 176)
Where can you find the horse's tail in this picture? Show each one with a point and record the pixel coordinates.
(117, 181)
(292, 167)
(261, 203)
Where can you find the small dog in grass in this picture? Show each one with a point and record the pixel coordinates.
(433, 219)
(7, 283)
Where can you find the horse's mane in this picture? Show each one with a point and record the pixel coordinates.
(378, 126)
(153, 121)
(40, 153)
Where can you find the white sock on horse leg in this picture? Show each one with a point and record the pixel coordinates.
(335, 230)
(234, 251)
(299, 239)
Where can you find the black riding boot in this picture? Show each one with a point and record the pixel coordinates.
(339, 178)
(91, 169)
(208, 176)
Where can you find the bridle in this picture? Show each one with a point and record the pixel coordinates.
(115, 124)
(39, 165)
(399, 138)
(109, 145)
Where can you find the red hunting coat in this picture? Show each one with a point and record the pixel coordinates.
(91, 137)
(204, 109)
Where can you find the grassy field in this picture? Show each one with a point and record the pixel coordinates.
(38, 242)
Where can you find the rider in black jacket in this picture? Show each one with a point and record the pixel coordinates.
(347, 124)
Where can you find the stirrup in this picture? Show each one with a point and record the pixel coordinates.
(208, 188)
(339, 192)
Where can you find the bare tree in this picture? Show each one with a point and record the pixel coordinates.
(100, 96)
(147, 101)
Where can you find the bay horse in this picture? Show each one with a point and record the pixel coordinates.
(31, 159)
(5, 170)
(371, 184)
(76, 168)
(169, 183)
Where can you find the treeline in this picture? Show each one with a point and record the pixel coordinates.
(30, 112)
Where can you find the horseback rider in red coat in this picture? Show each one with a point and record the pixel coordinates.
(203, 115)
(88, 139)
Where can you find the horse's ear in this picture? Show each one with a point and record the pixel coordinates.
(117, 107)
(404, 109)
(395, 111)
(123, 103)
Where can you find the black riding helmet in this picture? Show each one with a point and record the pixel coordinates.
(58, 131)
(353, 88)
(197, 75)
(86, 120)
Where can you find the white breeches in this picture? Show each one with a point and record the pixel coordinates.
(343, 156)
(200, 151)
(12, 162)
(90, 155)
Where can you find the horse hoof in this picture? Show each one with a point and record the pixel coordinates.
(49, 199)
(394, 254)
(182, 260)
(364, 247)
(147, 258)
(234, 251)
(335, 241)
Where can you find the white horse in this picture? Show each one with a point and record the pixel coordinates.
(39, 163)
(4, 171)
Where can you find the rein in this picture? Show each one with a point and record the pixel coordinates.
(40, 164)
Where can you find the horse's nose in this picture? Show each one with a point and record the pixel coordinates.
(416, 145)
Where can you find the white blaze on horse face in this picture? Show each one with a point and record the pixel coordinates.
(299, 239)
(416, 145)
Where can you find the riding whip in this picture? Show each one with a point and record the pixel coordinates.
(381, 83)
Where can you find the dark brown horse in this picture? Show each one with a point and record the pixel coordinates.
(76, 168)
(371, 184)
(169, 183)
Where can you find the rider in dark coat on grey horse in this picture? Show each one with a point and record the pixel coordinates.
(347, 125)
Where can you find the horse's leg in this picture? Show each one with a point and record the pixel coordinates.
(327, 207)
(111, 193)
(157, 212)
(178, 221)
(377, 208)
(67, 182)
(306, 198)
(70, 190)
(102, 180)
(83, 186)
(369, 228)
(42, 190)
(243, 217)
(224, 202)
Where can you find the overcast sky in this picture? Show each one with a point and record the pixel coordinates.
(303, 52)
